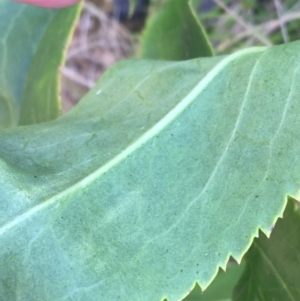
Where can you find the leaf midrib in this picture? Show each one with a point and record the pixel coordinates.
(152, 132)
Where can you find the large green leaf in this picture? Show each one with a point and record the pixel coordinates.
(152, 181)
(31, 44)
(175, 33)
(273, 265)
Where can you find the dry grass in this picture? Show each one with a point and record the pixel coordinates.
(240, 26)
(99, 42)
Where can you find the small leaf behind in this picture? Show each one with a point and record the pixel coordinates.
(41, 101)
(175, 33)
(273, 265)
(221, 288)
(31, 44)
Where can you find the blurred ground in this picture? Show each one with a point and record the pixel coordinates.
(105, 34)
(99, 41)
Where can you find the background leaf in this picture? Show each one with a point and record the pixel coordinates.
(152, 181)
(175, 33)
(132, 6)
(221, 288)
(272, 271)
(31, 44)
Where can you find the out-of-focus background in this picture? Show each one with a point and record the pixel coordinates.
(108, 31)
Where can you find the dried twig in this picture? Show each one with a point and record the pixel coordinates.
(267, 28)
(76, 77)
(250, 28)
(284, 31)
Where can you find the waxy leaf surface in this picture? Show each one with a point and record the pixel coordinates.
(152, 181)
(31, 43)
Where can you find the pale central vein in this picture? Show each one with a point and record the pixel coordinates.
(224, 153)
(157, 128)
(216, 168)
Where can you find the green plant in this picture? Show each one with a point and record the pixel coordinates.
(162, 172)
